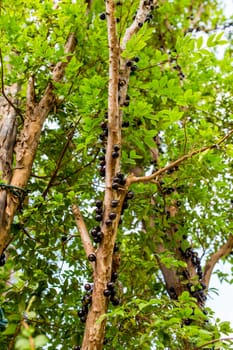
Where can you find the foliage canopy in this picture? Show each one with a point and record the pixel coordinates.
(175, 106)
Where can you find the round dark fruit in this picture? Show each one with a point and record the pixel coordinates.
(136, 59)
(97, 239)
(115, 186)
(130, 195)
(83, 319)
(2, 259)
(134, 68)
(116, 179)
(101, 157)
(102, 172)
(114, 203)
(115, 155)
(98, 217)
(87, 286)
(114, 276)
(117, 20)
(115, 301)
(129, 63)
(125, 124)
(108, 222)
(91, 257)
(110, 285)
(125, 205)
(99, 203)
(103, 125)
(102, 163)
(126, 103)
(112, 216)
(116, 248)
(87, 299)
(64, 238)
(81, 313)
(140, 24)
(102, 16)
(77, 347)
(107, 293)
(98, 210)
(116, 148)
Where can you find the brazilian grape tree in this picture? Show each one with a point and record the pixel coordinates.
(116, 173)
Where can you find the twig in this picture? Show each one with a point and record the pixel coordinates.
(65, 147)
(3, 89)
(86, 241)
(133, 179)
(225, 249)
(212, 342)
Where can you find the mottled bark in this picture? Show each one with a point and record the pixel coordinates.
(27, 142)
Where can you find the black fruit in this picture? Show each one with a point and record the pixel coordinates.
(114, 203)
(87, 299)
(115, 301)
(107, 293)
(129, 63)
(115, 155)
(102, 16)
(91, 257)
(81, 313)
(125, 124)
(77, 347)
(116, 248)
(140, 24)
(108, 222)
(83, 319)
(134, 68)
(130, 195)
(110, 285)
(87, 286)
(115, 186)
(99, 203)
(112, 216)
(2, 259)
(98, 217)
(136, 59)
(98, 210)
(116, 148)
(103, 125)
(114, 276)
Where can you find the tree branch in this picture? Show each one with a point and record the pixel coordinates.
(29, 138)
(212, 342)
(224, 250)
(133, 179)
(140, 17)
(86, 241)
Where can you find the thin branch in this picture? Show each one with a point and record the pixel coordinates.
(140, 17)
(3, 89)
(133, 179)
(87, 244)
(65, 147)
(224, 250)
(212, 342)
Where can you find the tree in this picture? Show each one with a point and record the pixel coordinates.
(116, 171)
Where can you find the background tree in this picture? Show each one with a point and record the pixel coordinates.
(116, 171)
